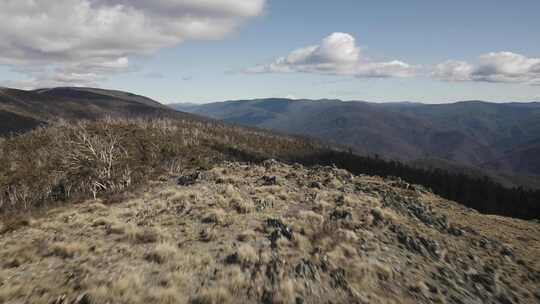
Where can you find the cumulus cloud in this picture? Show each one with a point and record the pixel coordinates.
(453, 70)
(70, 38)
(500, 67)
(337, 54)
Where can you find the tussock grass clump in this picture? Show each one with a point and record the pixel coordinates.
(13, 223)
(162, 253)
(246, 235)
(208, 235)
(143, 235)
(218, 295)
(215, 216)
(127, 289)
(65, 250)
(245, 255)
(91, 159)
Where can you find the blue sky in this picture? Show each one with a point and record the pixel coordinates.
(417, 38)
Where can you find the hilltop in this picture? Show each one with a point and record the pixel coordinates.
(269, 233)
(21, 110)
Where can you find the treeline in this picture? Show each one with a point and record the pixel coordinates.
(483, 194)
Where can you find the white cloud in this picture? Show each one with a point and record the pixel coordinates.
(504, 67)
(337, 54)
(453, 70)
(98, 36)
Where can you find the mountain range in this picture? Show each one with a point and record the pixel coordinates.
(498, 140)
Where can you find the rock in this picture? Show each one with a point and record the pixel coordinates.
(325, 263)
(82, 299)
(432, 247)
(410, 243)
(486, 280)
(414, 208)
(506, 251)
(280, 229)
(232, 259)
(398, 183)
(269, 180)
(338, 214)
(377, 215)
(534, 276)
(315, 185)
(207, 235)
(504, 299)
(274, 237)
(261, 205)
(297, 166)
(60, 300)
(340, 200)
(484, 243)
(274, 269)
(270, 163)
(188, 180)
(338, 279)
(307, 270)
(419, 244)
(455, 231)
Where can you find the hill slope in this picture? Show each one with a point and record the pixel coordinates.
(270, 234)
(467, 133)
(26, 109)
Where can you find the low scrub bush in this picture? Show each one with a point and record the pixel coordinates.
(91, 159)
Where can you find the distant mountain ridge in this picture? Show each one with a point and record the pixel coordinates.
(469, 133)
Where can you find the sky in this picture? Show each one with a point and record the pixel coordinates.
(213, 50)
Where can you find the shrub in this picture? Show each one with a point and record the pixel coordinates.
(90, 159)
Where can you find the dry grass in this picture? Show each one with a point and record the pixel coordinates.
(66, 250)
(126, 289)
(215, 216)
(188, 244)
(217, 295)
(246, 236)
(143, 234)
(15, 222)
(162, 253)
(285, 293)
(247, 254)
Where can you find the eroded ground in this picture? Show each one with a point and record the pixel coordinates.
(271, 234)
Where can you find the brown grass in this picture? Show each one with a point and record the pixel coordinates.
(157, 248)
(162, 253)
(215, 216)
(66, 250)
(142, 234)
(217, 295)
